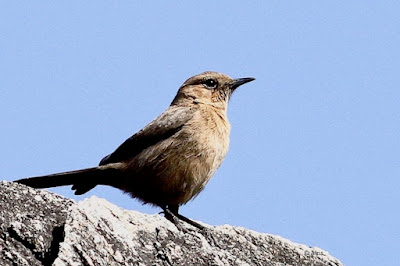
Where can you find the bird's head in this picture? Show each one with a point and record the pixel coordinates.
(210, 88)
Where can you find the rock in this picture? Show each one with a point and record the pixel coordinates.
(40, 228)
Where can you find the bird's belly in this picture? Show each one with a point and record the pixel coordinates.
(177, 169)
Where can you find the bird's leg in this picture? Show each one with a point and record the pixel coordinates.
(171, 213)
(170, 216)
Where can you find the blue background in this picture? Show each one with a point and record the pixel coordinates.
(315, 150)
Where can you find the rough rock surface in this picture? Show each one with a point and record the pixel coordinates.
(40, 228)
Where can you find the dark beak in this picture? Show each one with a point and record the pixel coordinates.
(238, 82)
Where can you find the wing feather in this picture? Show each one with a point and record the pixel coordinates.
(164, 126)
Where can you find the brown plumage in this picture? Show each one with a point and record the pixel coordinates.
(170, 160)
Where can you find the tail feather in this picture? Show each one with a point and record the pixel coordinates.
(82, 180)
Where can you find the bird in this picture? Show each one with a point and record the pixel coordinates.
(169, 161)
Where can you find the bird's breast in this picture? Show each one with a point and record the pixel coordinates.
(208, 135)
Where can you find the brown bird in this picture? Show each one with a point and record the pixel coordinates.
(170, 160)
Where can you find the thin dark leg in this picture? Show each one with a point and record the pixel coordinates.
(171, 213)
(170, 216)
(193, 223)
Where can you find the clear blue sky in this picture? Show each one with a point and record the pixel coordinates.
(315, 150)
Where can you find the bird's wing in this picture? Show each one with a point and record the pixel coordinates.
(164, 126)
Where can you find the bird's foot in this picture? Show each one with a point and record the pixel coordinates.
(175, 217)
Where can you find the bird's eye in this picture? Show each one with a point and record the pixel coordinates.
(210, 83)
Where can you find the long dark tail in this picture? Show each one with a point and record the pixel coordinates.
(82, 180)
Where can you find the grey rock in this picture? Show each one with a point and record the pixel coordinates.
(41, 228)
